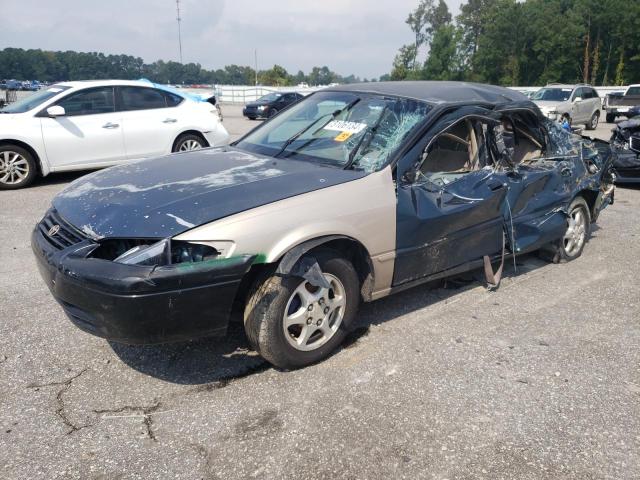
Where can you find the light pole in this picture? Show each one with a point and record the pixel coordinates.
(179, 32)
(255, 58)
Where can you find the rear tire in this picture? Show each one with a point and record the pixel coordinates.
(571, 245)
(293, 324)
(18, 168)
(611, 118)
(188, 142)
(593, 123)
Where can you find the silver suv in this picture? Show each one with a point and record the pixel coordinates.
(579, 104)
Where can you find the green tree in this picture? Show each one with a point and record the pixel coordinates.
(443, 62)
(275, 76)
(403, 63)
(322, 76)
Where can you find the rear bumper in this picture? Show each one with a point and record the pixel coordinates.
(137, 304)
(615, 110)
(217, 137)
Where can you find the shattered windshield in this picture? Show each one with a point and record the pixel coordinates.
(32, 101)
(345, 130)
(553, 94)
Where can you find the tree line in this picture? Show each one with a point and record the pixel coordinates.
(46, 66)
(530, 42)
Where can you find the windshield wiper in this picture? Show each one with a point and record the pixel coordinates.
(371, 132)
(308, 127)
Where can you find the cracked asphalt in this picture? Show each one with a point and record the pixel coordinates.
(537, 380)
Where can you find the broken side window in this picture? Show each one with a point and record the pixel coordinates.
(516, 141)
(459, 150)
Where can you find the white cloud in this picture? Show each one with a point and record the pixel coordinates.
(349, 36)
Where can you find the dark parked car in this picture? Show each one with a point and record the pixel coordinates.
(354, 193)
(625, 142)
(270, 104)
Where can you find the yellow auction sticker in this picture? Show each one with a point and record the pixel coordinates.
(343, 136)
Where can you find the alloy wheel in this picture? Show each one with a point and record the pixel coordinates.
(314, 314)
(14, 168)
(576, 233)
(189, 145)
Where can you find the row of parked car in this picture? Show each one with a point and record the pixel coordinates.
(28, 85)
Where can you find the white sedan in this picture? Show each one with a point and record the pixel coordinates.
(94, 124)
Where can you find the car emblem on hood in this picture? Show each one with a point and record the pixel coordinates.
(53, 230)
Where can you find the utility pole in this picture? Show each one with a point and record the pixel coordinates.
(179, 32)
(255, 58)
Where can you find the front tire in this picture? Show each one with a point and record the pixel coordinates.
(17, 167)
(293, 324)
(571, 245)
(188, 142)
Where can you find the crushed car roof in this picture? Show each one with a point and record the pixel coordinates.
(438, 92)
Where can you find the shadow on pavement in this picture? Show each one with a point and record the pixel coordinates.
(59, 178)
(214, 362)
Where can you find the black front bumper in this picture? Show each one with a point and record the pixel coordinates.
(139, 304)
(626, 167)
(253, 112)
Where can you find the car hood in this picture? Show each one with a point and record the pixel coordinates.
(166, 196)
(546, 105)
(257, 104)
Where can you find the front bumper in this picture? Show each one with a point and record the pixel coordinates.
(253, 112)
(139, 304)
(627, 175)
(626, 167)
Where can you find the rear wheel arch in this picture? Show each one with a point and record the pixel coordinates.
(189, 132)
(28, 148)
(590, 197)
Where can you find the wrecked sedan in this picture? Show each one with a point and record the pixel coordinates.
(352, 194)
(625, 143)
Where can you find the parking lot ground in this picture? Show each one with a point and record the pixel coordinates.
(537, 380)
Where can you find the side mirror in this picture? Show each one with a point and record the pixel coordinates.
(56, 111)
(578, 99)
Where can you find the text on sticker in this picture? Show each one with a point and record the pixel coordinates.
(344, 126)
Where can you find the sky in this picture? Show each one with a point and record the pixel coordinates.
(349, 36)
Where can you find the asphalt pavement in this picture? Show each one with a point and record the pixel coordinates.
(537, 380)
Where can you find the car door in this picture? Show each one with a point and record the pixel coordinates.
(539, 179)
(89, 134)
(151, 120)
(450, 209)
